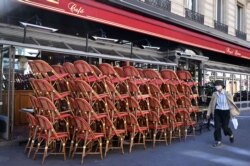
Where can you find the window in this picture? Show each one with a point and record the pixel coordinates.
(239, 17)
(219, 11)
(192, 5)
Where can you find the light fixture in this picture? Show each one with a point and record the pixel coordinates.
(39, 27)
(104, 38)
(36, 27)
(150, 47)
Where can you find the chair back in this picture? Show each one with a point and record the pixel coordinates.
(131, 71)
(184, 75)
(59, 69)
(96, 70)
(31, 120)
(119, 71)
(168, 74)
(35, 104)
(83, 68)
(70, 68)
(151, 74)
(107, 69)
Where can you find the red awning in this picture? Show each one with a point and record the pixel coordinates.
(99, 12)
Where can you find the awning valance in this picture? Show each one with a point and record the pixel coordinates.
(97, 11)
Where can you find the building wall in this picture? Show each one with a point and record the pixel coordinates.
(208, 9)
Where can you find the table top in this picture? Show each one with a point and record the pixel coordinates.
(203, 108)
(29, 110)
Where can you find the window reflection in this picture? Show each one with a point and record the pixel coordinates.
(236, 84)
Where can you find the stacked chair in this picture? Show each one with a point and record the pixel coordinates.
(78, 107)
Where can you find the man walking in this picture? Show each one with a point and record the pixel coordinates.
(223, 108)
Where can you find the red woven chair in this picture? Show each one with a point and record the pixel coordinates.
(186, 90)
(135, 108)
(96, 70)
(111, 132)
(86, 111)
(173, 90)
(47, 90)
(49, 110)
(185, 103)
(70, 69)
(115, 94)
(35, 70)
(35, 105)
(49, 73)
(59, 69)
(88, 137)
(33, 130)
(154, 77)
(35, 87)
(119, 71)
(136, 129)
(96, 100)
(187, 77)
(87, 73)
(171, 76)
(156, 92)
(49, 136)
(134, 75)
(159, 127)
(113, 76)
(142, 73)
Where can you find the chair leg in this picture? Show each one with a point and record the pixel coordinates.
(63, 150)
(131, 143)
(27, 145)
(185, 134)
(122, 139)
(179, 133)
(31, 147)
(71, 148)
(107, 147)
(165, 137)
(154, 139)
(83, 152)
(144, 140)
(170, 136)
(74, 151)
(100, 147)
(45, 152)
(38, 147)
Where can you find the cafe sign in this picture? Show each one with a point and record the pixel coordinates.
(65, 6)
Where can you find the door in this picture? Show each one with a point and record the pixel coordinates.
(7, 62)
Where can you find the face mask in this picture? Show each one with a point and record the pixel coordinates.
(218, 88)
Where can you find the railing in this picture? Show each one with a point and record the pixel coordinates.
(162, 4)
(240, 34)
(192, 15)
(220, 26)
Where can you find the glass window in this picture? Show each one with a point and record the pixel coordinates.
(243, 88)
(192, 5)
(219, 11)
(239, 17)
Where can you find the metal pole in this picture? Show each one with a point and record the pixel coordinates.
(87, 42)
(131, 50)
(11, 92)
(24, 34)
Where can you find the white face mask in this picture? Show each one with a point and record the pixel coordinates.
(218, 87)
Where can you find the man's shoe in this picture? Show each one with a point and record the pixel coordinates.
(216, 144)
(231, 139)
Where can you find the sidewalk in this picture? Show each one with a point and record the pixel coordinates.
(196, 151)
